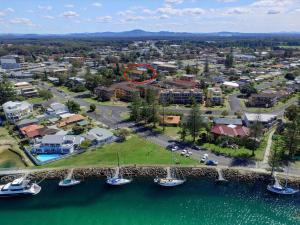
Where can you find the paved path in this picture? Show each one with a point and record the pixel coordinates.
(268, 147)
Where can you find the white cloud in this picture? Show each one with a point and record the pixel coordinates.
(164, 16)
(49, 17)
(69, 14)
(10, 10)
(97, 4)
(45, 7)
(125, 13)
(131, 18)
(273, 11)
(2, 13)
(168, 10)
(173, 1)
(227, 1)
(238, 10)
(104, 19)
(22, 21)
(69, 6)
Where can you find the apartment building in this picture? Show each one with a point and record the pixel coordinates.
(15, 111)
(181, 96)
(214, 96)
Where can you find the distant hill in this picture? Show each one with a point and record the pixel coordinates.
(143, 34)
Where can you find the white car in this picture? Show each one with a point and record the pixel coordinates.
(175, 148)
(204, 158)
(184, 152)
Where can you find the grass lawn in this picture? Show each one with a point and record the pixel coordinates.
(64, 89)
(290, 47)
(135, 150)
(112, 103)
(35, 100)
(8, 149)
(223, 107)
(125, 115)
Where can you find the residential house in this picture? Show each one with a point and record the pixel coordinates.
(16, 111)
(228, 121)
(33, 131)
(57, 144)
(70, 119)
(268, 120)
(169, 120)
(99, 136)
(263, 100)
(10, 62)
(26, 122)
(104, 93)
(57, 109)
(25, 89)
(214, 96)
(230, 130)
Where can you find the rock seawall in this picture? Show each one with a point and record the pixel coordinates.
(230, 174)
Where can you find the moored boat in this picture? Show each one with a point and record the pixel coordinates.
(68, 182)
(117, 179)
(279, 189)
(19, 187)
(169, 182)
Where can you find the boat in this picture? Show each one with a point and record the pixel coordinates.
(117, 179)
(19, 187)
(171, 180)
(69, 181)
(277, 188)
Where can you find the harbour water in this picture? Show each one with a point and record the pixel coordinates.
(198, 201)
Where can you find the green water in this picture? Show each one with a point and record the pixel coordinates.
(142, 203)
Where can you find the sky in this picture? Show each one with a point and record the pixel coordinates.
(197, 16)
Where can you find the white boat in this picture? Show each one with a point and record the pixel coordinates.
(19, 187)
(117, 179)
(69, 181)
(277, 188)
(169, 182)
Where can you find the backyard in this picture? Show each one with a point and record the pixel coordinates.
(133, 151)
(11, 156)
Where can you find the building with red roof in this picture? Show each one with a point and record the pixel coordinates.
(230, 130)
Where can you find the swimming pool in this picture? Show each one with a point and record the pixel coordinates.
(46, 157)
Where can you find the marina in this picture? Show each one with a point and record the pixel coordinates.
(199, 201)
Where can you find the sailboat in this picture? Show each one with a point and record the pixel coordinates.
(69, 181)
(171, 180)
(277, 188)
(117, 179)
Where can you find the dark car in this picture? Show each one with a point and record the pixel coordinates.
(208, 112)
(211, 163)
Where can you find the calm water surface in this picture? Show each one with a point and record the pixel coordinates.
(142, 203)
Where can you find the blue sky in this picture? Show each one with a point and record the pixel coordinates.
(74, 16)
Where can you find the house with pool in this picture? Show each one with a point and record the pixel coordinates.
(57, 144)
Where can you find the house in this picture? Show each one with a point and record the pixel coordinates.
(188, 77)
(16, 111)
(104, 93)
(53, 80)
(170, 120)
(26, 122)
(181, 96)
(214, 96)
(230, 130)
(99, 136)
(263, 100)
(268, 120)
(70, 119)
(26, 89)
(231, 84)
(227, 121)
(77, 80)
(56, 109)
(33, 131)
(57, 144)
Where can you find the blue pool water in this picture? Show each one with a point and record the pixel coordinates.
(46, 157)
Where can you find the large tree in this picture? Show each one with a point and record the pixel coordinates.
(292, 137)
(7, 91)
(73, 106)
(229, 61)
(256, 130)
(194, 121)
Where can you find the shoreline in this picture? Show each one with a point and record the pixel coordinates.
(232, 174)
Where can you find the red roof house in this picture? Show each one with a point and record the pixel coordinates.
(231, 130)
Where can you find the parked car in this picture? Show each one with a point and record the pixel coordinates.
(211, 163)
(195, 147)
(186, 153)
(204, 158)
